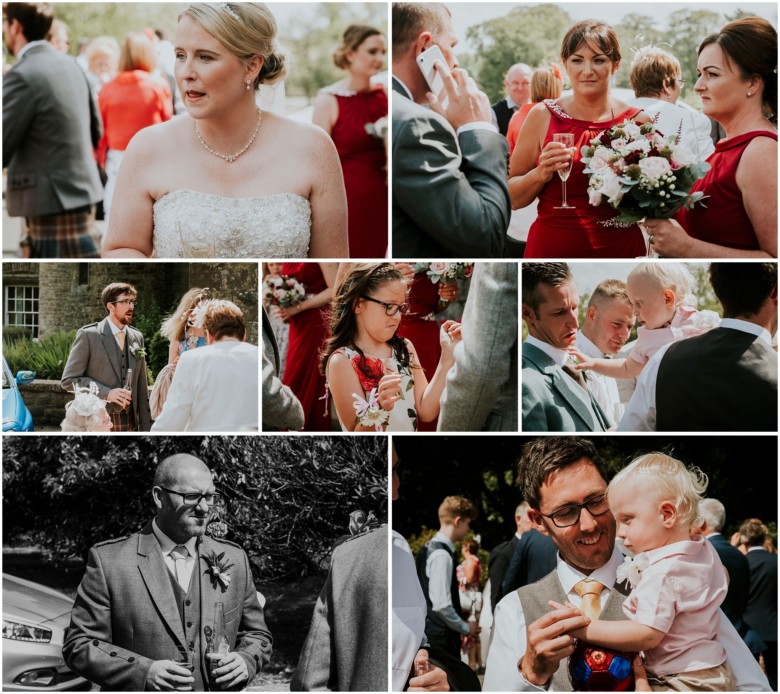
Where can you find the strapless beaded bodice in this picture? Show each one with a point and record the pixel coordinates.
(188, 224)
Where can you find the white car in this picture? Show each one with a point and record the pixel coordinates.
(34, 622)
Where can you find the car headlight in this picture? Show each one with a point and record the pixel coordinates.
(24, 632)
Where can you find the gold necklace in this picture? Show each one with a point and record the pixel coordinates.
(230, 158)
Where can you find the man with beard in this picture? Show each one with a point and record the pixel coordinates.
(110, 354)
(147, 603)
(564, 481)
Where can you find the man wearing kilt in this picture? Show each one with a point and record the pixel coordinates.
(105, 352)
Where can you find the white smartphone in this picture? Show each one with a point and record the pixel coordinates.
(426, 60)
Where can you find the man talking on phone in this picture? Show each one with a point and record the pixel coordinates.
(450, 194)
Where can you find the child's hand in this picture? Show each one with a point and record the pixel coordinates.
(580, 633)
(449, 336)
(388, 391)
(581, 361)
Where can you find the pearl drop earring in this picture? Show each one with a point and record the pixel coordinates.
(750, 93)
(248, 85)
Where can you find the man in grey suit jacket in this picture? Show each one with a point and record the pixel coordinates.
(346, 648)
(50, 125)
(281, 409)
(481, 393)
(150, 596)
(555, 396)
(450, 192)
(104, 353)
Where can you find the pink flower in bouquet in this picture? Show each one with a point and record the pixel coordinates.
(469, 270)
(654, 167)
(438, 268)
(601, 158)
(682, 156)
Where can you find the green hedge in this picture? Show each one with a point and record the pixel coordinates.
(46, 358)
(287, 498)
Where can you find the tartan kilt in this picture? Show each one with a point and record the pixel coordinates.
(63, 235)
(122, 420)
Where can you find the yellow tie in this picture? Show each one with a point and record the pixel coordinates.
(120, 336)
(589, 590)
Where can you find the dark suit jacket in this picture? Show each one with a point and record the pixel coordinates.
(550, 402)
(761, 611)
(346, 648)
(94, 358)
(497, 567)
(50, 124)
(533, 558)
(125, 615)
(503, 115)
(739, 580)
(450, 192)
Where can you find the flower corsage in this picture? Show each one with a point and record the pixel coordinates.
(138, 352)
(631, 569)
(218, 570)
(369, 412)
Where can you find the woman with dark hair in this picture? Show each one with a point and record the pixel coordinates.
(591, 57)
(738, 87)
(365, 355)
(349, 112)
(132, 101)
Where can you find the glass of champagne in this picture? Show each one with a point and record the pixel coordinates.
(567, 139)
(183, 658)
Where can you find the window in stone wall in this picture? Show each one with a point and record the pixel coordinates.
(21, 308)
(83, 273)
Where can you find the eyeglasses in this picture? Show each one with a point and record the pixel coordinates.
(132, 302)
(390, 309)
(193, 498)
(570, 515)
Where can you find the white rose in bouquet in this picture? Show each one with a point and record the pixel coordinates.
(601, 158)
(682, 156)
(654, 167)
(611, 187)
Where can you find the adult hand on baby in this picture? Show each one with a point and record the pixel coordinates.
(641, 682)
(388, 391)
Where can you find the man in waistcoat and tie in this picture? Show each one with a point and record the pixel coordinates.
(105, 352)
(556, 397)
(725, 379)
(565, 482)
(148, 603)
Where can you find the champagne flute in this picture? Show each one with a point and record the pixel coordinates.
(567, 139)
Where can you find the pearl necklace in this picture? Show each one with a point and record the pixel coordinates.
(230, 158)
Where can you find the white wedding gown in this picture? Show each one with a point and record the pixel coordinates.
(189, 224)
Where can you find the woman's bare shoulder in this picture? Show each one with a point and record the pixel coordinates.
(160, 137)
(295, 133)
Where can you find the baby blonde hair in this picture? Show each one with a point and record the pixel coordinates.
(673, 276)
(682, 485)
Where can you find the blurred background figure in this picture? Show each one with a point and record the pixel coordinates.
(353, 111)
(468, 574)
(58, 36)
(546, 83)
(102, 62)
(133, 100)
(656, 78)
(518, 89)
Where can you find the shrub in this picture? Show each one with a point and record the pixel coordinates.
(46, 358)
(287, 499)
(12, 333)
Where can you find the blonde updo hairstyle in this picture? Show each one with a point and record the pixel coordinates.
(246, 29)
(354, 35)
(669, 480)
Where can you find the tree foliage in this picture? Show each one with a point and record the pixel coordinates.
(286, 498)
(741, 475)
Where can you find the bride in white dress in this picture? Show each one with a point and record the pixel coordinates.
(227, 180)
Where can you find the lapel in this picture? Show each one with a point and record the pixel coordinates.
(398, 88)
(155, 575)
(111, 347)
(134, 342)
(561, 383)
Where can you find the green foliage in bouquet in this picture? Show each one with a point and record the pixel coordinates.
(286, 499)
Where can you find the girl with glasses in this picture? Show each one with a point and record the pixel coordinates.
(373, 375)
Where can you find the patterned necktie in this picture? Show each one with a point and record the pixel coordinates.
(120, 337)
(589, 590)
(180, 554)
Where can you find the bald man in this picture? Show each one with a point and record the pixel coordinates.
(147, 602)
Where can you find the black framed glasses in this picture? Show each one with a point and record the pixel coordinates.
(570, 515)
(132, 302)
(193, 498)
(390, 309)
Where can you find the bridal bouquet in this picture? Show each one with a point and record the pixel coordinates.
(445, 272)
(283, 291)
(641, 173)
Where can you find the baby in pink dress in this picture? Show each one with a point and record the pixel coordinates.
(678, 582)
(662, 296)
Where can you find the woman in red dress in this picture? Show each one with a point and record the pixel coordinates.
(308, 332)
(344, 110)
(591, 56)
(738, 87)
